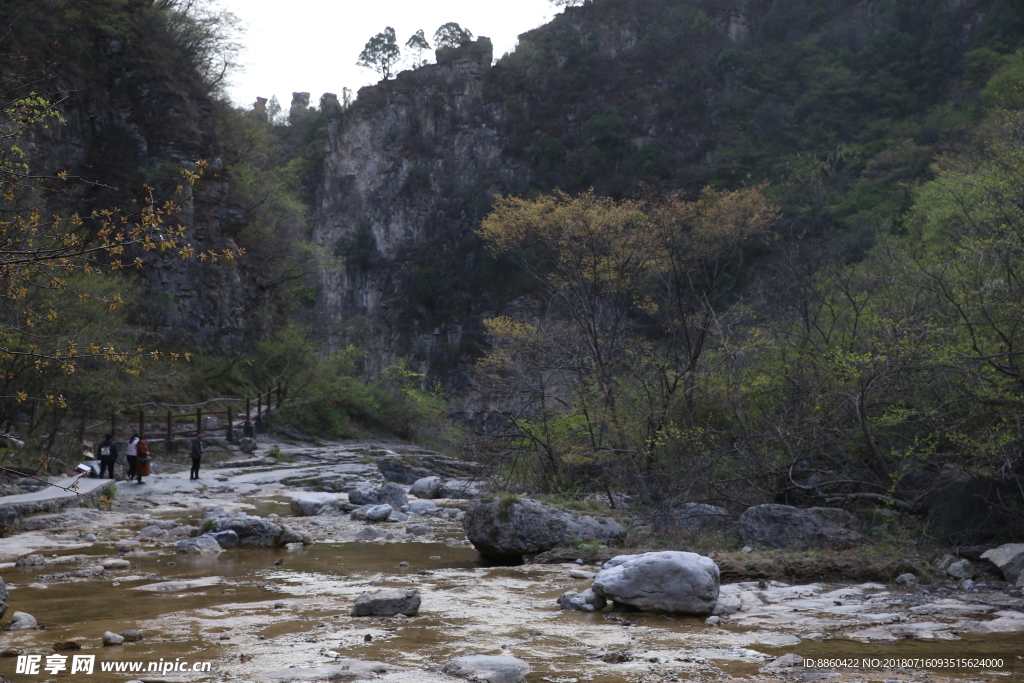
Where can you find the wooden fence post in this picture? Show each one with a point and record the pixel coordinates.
(247, 429)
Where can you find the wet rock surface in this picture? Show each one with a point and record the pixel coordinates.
(259, 613)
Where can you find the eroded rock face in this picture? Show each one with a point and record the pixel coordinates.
(493, 669)
(510, 527)
(669, 581)
(787, 527)
(387, 603)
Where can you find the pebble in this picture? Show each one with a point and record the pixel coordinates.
(90, 537)
(435, 557)
(403, 564)
(110, 638)
(132, 635)
(225, 636)
(170, 564)
(746, 549)
(713, 621)
(281, 561)
(278, 605)
(579, 560)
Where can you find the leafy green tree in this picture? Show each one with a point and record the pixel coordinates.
(417, 45)
(451, 35)
(381, 53)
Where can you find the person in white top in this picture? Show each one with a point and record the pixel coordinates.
(132, 454)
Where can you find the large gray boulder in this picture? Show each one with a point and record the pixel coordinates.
(387, 603)
(1009, 558)
(258, 532)
(312, 504)
(425, 488)
(510, 527)
(668, 581)
(489, 668)
(787, 527)
(22, 621)
(389, 494)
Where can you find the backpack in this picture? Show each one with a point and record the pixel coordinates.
(104, 451)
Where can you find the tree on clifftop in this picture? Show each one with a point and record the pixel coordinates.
(451, 35)
(381, 53)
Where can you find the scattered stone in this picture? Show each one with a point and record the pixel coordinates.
(200, 545)
(421, 507)
(418, 529)
(279, 562)
(378, 513)
(22, 621)
(255, 531)
(789, 661)
(12, 652)
(398, 516)
(434, 557)
(493, 669)
(116, 563)
(587, 601)
(184, 531)
(128, 546)
(617, 657)
(713, 620)
(293, 547)
(178, 586)
(66, 646)
(30, 561)
(462, 489)
(225, 636)
(279, 605)
(110, 638)
(132, 635)
(580, 574)
(340, 670)
(746, 549)
(907, 579)
(216, 513)
(727, 605)
(510, 527)
(666, 581)
(1009, 558)
(387, 603)
(370, 533)
(787, 527)
(312, 504)
(89, 572)
(961, 569)
(156, 533)
(89, 538)
(403, 563)
(426, 488)
(247, 444)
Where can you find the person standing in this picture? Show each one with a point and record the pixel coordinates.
(143, 454)
(108, 454)
(196, 453)
(132, 456)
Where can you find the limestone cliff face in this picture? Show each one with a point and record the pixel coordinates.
(409, 172)
(128, 130)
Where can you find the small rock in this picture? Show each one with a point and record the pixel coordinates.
(434, 557)
(247, 444)
(784, 662)
(387, 603)
(12, 652)
(128, 546)
(293, 547)
(200, 545)
(961, 569)
(116, 563)
(226, 539)
(30, 561)
(746, 549)
(273, 515)
(427, 487)
(110, 638)
(493, 669)
(421, 507)
(279, 562)
(713, 620)
(21, 621)
(907, 579)
(403, 564)
(66, 645)
(727, 605)
(967, 585)
(132, 635)
(370, 533)
(278, 605)
(90, 538)
(580, 574)
(579, 561)
(617, 657)
(378, 513)
(225, 636)
(418, 529)
(397, 516)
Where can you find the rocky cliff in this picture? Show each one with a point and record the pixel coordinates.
(615, 95)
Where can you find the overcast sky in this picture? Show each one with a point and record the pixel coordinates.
(313, 45)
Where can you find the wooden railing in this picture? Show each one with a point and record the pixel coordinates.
(172, 423)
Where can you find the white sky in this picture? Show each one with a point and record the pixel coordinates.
(312, 45)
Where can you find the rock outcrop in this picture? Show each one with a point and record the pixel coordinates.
(787, 527)
(510, 527)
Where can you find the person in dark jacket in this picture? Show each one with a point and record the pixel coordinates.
(107, 453)
(196, 453)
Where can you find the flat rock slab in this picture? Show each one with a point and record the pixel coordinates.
(493, 669)
(175, 586)
(344, 670)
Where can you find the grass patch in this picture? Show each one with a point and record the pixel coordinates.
(505, 503)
